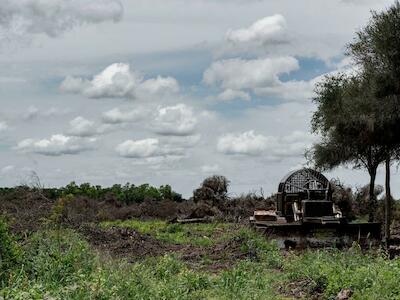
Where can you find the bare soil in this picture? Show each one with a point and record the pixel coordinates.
(124, 242)
(25, 210)
(132, 245)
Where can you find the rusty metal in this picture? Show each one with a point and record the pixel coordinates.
(306, 216)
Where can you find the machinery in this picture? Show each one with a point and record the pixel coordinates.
(306, 216)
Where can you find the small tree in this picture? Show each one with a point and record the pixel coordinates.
(214, 189)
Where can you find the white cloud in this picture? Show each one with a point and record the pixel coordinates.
(145, 148)
(290, 90)
(240, 74)
(176, 120)
(210, 168)
(302, 90)
(229, 94)
(119, 81)
(3, 126)
(294, 144)
(56, 145)
(115, 81)
(82, 127)
(23, 18)
(33, 113)
(268, 29)
(117, 116)
(160, 85)
(246, 143)
(237, 77)
(250, 143)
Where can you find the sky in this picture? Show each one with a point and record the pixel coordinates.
(168, 91)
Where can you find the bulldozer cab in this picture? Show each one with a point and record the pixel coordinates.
(306, 196)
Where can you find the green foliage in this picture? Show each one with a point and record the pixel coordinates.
(213, 189)
(53, 262)
(194, 234)
(10, 252)
(370, 276)
(248, 280)
(128, 193)
(58, 264)
(261, 248)
(59, 208)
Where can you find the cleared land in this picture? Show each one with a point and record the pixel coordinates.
(151, 259)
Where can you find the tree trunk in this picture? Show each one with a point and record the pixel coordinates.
(372, 200)
(388, 202)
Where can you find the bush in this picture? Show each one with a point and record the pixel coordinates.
(128, 193)
(213, 189)
(10, 252)
(58, 257)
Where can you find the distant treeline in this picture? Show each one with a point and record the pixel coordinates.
(128, 193)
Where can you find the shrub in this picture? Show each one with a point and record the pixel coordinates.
(10, 252)
(213, 189)
(58, 257)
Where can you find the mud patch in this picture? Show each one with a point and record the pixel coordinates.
(124, 242)
(217, 257)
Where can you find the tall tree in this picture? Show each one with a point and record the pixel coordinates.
(346, 120)
(376, 49)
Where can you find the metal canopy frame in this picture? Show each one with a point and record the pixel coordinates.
(302, 181)
(299, 185)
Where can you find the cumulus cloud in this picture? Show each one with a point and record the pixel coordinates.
(268, 29)
(292, 90)
(238, 74)
(246, 143)
(237, 77)
(265, 35)
(3, 126)
(118, 116)
(23, 18)
(229, 94)
(159, 85)
(119, 81)
(250, 143)
(56, 145)
(176, 120)
(83, 127)
(146, 148)
(300, 90)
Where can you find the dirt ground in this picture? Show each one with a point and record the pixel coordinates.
(123, 242)
(27, 212)
(132, 245)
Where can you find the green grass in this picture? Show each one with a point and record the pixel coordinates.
(195, 234)
(370, 276)
(59, 264)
